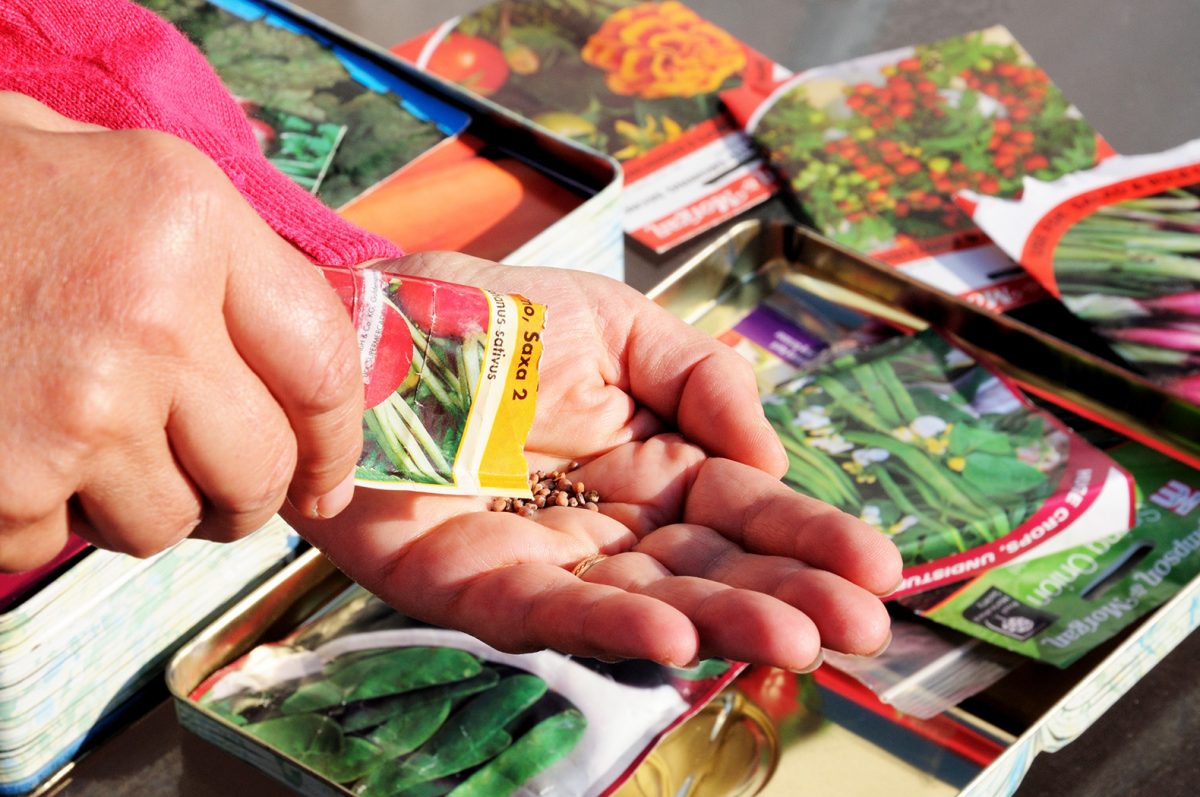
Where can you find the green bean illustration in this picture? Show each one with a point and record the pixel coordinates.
(472, 735)
(856, 406)
(925, 468)
(371, 713)
(835, 477)
(876, 394)
(891, 384)
(547, 742)
(406, 732)
(390, 673)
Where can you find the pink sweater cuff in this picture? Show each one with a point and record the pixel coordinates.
(114, 64)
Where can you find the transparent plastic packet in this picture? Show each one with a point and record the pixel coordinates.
(925, 670)
(374, 703)
(450, 376)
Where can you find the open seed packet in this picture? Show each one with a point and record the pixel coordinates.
(1120, 245)
(940, 454)
(1058, 606)
(874, 149)
(382, 705)
(451, 382)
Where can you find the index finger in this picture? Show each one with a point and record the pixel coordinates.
(295, 334)
(703, 385)
(764, 516)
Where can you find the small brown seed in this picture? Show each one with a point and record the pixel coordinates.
(517, 504)
(592, 506)
(561, 499)
(498, 505)
(573, 502)
(592, 496)
(574, 465)
(528, 511)
(539, 501)
(563, 483)
(578, 487)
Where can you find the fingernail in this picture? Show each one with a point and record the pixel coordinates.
(883, 647)
(336, 499)
(892, 591)
(817, 662)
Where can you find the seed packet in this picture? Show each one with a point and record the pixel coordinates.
(1056, 608)
(600, 73)
(926, 670)
(291, 67)
(794, 329)
(300, 147)
(940, 454)
(1120, 245)
(383, 705)
(450, 375)
(873, 150)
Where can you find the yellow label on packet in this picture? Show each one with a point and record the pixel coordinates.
(504, 454)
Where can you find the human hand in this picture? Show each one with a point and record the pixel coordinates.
(705, 552)
(171, 366)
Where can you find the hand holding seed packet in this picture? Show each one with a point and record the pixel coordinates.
(664, 424)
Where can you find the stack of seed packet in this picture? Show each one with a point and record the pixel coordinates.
(637, 80)
(74, 649)
(873, 151)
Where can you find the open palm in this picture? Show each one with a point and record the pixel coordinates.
(706, 552)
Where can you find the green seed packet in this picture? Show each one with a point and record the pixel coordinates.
(1058, 607)
(379, 704)
(300, 147)
(939, 453)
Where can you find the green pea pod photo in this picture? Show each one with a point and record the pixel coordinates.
(405, 710)
(943, 456)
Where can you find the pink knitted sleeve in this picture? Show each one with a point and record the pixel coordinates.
(111, 63)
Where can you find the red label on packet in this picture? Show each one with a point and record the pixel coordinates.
(448, 401)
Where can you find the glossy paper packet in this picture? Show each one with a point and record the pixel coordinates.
(942, 455)
(873, 150)
(1058, 607)
(451, 381)
(1120, 245)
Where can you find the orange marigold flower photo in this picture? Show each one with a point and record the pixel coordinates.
(656, 50)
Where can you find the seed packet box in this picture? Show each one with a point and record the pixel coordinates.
(1039, 708)
(76, 650)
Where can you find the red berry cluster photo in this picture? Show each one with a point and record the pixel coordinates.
(876, 148)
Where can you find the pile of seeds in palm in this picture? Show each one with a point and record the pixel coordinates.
(551, 488)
